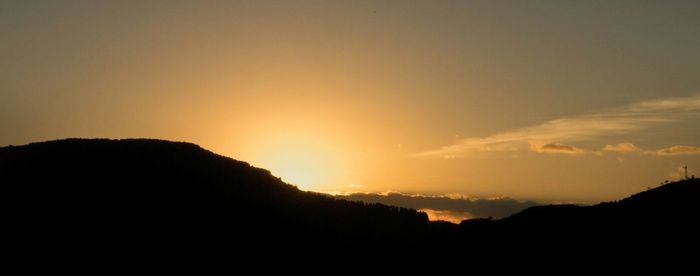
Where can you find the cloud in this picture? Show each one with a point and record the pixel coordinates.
(678, 150)
(590, 126)
(448, 207)
(669, 151)
(555, 148)
(622, 147)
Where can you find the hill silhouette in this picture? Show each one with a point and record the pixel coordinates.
(177, 197)
(145, 198)
(657, 226)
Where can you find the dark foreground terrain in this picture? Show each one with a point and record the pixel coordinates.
(138, 200)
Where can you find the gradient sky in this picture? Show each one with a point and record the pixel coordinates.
(541, 100)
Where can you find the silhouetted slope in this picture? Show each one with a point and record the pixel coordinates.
(99, 199)
(177, 195)
(675, 197)
(674, 202)
(655, 226)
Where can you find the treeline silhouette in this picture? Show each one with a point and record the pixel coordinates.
(150, 199)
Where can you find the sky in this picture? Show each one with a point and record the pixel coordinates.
(557, 101)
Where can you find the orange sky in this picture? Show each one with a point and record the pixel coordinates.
(547, 101)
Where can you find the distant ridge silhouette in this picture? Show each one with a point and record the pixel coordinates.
(104, 198)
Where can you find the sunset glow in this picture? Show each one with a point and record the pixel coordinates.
(528, 100)
(304, 163)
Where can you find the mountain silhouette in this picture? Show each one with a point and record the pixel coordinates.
(146, 198)
(657, 226)
(177, 198)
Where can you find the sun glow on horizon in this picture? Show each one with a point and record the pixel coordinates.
(305, 163)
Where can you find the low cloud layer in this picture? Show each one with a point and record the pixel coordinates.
(585, 127)
(555, 148)
(679, 150)
(446, 207)
(669, 151)
(622, 147)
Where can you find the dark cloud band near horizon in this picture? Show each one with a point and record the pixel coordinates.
(445, 207)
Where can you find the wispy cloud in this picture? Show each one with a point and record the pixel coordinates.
(554, 148)
(669, 151)
(622, 147)
(678, 150)
(590, 126)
